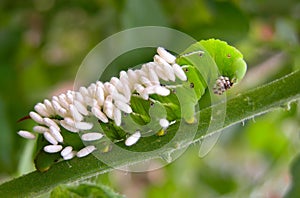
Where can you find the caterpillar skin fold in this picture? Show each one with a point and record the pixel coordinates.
(138, 102)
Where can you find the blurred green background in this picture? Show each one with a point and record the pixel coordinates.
(43, 42)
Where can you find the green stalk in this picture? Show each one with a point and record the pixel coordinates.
(276, 94)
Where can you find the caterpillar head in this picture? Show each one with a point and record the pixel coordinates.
(222, 84)
(229, 61)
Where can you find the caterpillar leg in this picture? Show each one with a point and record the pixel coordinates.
(161, 132)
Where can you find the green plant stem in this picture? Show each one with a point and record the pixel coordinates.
(246, 105)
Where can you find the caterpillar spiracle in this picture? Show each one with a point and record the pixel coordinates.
(63, 122)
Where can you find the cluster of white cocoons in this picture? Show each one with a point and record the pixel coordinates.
(106, 101)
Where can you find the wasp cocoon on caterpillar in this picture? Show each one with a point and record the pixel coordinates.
(137, 97)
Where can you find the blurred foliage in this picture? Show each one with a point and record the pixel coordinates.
(84, 190)
(42, 44)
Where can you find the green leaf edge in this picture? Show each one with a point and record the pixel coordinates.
(85, 190)
(243, 106)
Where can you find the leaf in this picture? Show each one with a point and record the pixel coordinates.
(276, 94)
(84, 190)
(142, 13)
(295, 172)
(223, 20)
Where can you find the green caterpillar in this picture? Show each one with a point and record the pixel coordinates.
(139, 103)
